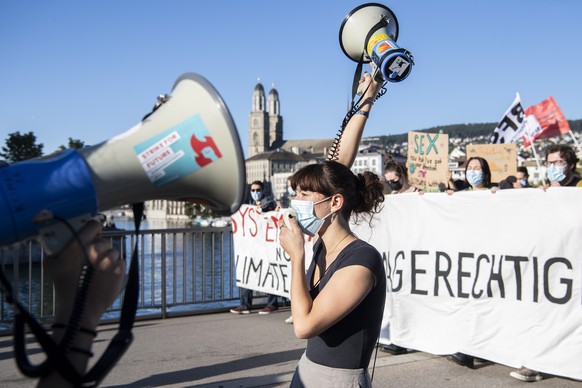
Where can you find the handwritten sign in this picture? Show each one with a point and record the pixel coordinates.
(502, 158)
(428, 156)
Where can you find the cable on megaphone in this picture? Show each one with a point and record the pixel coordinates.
(333, 153)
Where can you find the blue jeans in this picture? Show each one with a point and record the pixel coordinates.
(246, 298)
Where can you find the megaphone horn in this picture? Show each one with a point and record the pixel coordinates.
(368, 34)
(186, 149)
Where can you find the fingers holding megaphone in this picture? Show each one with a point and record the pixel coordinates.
(291, 239)
(369, 85)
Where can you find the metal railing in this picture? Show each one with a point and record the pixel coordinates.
(182, 271)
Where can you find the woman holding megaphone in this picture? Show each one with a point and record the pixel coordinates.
(338, 305)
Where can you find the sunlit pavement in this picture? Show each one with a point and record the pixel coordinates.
(228, 350)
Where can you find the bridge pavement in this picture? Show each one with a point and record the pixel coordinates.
(237, 351)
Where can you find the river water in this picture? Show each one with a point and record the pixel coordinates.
(178, 271)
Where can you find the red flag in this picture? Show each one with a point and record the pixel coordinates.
(550, 118)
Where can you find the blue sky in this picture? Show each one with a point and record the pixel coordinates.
(91, 69)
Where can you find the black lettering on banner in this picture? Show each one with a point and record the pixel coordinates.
(477, 269)
(397, 271)
(253, 268)
(415, 271)
(275, 275)
(387, 270)
(236, 266)
(483, 274)
(442, 273)
(284, 276)
(273, 272)
(517, 260)
(497, 277)
(461, 274)
(568, 282)
(281, 255)
(536, 290)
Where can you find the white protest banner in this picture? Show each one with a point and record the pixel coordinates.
(510, 126)
(497, 276)
(261, 263)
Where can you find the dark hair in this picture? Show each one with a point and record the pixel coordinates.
(523, 170)
(566, 152)
(484, 167)
(392, 165)
(363, 193)
(259, 183)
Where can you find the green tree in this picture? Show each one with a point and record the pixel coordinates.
(19, 147)
(74, 144)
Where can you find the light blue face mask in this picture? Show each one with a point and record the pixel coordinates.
(256, 195)
(474, 177)
(308, 222)
(291, 192)
(556, 173)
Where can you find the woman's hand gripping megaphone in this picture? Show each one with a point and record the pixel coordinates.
(370, 83)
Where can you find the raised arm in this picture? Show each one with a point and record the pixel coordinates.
(352, 134)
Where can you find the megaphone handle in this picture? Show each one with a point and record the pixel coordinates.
(55, 237)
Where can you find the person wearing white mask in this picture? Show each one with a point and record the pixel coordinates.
(560, 164)
(478, 173)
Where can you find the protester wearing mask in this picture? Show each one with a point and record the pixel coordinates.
(560, 164)
(338, 305)
(265, 203)
(396, 175)
(478, 176)
(522, 178)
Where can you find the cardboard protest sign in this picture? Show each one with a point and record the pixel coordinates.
(428, 160)
(502, 158)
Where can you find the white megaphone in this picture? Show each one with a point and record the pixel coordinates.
(368, 34)
(188, 149)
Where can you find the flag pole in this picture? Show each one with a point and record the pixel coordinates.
(533, 147)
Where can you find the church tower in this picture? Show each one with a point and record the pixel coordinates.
(258, 123)
(275, 120)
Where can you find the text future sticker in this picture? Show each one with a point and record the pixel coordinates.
(178, 151)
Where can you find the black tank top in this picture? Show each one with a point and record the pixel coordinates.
(350, 342)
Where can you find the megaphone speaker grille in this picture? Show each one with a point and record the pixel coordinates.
(358, 24)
